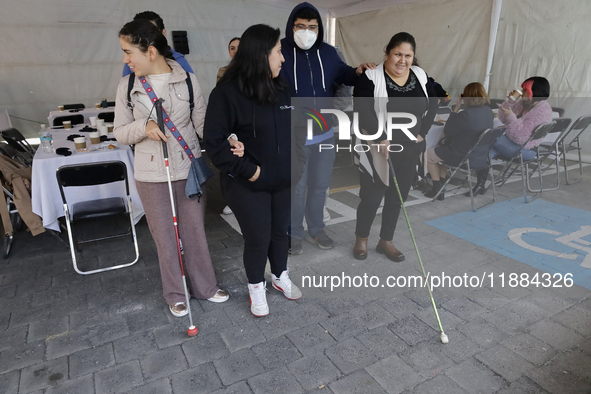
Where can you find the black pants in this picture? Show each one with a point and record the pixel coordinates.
(371, 193)
(263, 217)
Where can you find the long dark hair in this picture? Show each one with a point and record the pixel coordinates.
(250, 66)
(144, 34)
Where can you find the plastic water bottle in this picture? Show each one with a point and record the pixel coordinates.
(45, 139)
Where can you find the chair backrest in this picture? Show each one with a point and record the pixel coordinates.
(74, 106)
(91, 174)
(108, 117)
(11, 153)
(578, 127)
(17, 141)
(540, 132)
(479, 152)
(558, 132)
(559, 111)
(75, 119)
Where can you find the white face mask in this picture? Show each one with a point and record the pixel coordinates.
(304, 39)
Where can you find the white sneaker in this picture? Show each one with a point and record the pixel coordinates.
(178, 309)
(227, 210)
(258, 299)
(286, 286)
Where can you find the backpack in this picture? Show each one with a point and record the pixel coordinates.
(189, 86)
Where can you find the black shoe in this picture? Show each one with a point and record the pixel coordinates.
(480, 188)
(295, 246)
(437, 185)
(321, 239)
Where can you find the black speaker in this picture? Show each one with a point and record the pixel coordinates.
(180, 41)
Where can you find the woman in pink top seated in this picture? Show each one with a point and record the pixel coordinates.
(520, 119)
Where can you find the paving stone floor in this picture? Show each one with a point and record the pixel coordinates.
(61, 332)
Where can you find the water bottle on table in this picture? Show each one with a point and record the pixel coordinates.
(45, 139)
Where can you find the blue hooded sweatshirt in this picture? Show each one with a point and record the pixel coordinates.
(313, 73)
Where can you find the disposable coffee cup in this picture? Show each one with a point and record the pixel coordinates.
(103, 130)
(67, 124)
(100, 122)
(97, 105)
(80, 142)
(109, 127)
(515, 95)
(95, 137)
(60, 107)
(93, 120)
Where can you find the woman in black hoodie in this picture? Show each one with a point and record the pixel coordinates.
(251, 102)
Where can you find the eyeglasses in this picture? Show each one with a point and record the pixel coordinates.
(301, 26)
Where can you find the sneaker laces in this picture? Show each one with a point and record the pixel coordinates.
(284, 281)
(258, 295)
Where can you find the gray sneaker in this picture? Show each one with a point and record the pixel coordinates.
(321, 239)
(295, 246)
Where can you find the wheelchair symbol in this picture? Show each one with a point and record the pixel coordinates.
(573, 240)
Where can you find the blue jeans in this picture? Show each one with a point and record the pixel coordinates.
(309, 195)
(505, 147)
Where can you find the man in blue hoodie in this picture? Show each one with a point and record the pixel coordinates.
(312, 68)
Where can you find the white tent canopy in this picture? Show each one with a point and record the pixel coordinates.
(67, 51)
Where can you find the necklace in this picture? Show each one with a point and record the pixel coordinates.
(410, 84)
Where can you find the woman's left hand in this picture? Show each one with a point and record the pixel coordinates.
(237, 147)
(419, 139)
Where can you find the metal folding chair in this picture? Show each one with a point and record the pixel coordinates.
(549, 150)
(91, 175)
(17, 141)
(517, 162)
(108, 117)
(75, 119)
(74, 106)
(477, 158)
(574, 143)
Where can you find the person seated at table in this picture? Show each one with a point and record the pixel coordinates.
(461, 131)
(159, 23)
(147, 53)
(520, 119)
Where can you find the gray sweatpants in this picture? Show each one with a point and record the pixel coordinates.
(190, 217)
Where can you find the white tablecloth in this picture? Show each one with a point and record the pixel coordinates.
(46, 198)
(86, 112)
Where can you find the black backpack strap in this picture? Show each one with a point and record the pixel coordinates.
(129, 89)
(191, 99)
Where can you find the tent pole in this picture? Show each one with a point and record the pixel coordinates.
(494, 28)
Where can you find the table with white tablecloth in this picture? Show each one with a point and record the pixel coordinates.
(46, 198)
(86, 112)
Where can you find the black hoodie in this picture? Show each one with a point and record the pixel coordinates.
(265, 130)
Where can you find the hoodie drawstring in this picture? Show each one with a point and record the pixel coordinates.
(295, 74)
(321, 68)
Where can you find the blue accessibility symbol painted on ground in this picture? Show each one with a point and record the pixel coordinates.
(551, 237)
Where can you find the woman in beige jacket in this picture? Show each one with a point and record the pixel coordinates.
(147, 54)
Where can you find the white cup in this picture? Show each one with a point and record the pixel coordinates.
(80, 142)
(95, 137)
(93, 120)
(103, 130)
(100, 122)
(67, 124)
